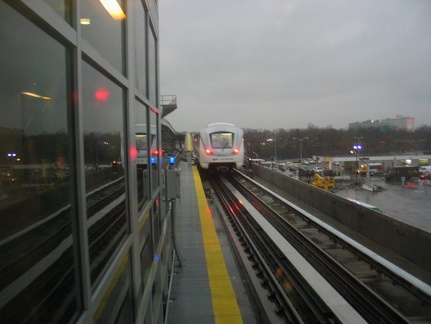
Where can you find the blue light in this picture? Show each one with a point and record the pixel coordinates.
(156, 257)
(153, 160)
(171, 160)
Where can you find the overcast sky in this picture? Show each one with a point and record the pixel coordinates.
(288, 64)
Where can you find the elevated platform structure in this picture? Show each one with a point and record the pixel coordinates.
(168, 104)
(206, 287)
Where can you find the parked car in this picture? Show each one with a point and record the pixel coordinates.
(318, 170)
(425, 169)
(425, 176)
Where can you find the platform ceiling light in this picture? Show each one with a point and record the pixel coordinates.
(35, 95)
(114, 9)
(85, 21)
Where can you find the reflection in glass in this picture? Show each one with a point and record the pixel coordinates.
(143, 142)
(146, 254)
(104, 177)
(61, 7)
(114, 9)
(152, 73)
(36, 242)
(103, 32)
(141, 47)
(156, 220)
(121, 285)
(156, 154)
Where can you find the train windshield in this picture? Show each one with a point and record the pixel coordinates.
(141, 137)
(222, 140)
(141, 142)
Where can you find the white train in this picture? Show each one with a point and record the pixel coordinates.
(145, 144)
(219, 145)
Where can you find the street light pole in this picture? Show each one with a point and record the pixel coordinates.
(357, 147)
(275, 147)
(356, 172)
(300, 147)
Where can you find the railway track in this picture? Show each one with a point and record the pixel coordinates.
(263, 254)
(378, 293)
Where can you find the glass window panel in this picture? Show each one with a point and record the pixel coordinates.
(63, 8)
(104, 31)
(141, 48)
(156, 152)
(36, 242)
(120, 290)
(152, 66)
(143, 144)
(222, 140)
(157, 222)
(146, 260)
(103, 104)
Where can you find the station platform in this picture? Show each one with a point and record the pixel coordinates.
(206, 286)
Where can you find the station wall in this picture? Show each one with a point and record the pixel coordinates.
(404, 240)
(85, 232)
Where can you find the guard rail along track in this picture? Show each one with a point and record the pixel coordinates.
(377, 292)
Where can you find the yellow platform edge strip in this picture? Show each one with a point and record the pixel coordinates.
(224, 302)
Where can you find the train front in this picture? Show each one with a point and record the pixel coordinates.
(222, 147)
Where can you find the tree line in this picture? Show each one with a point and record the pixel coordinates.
(286, 144)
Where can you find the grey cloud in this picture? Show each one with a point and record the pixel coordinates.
(287, 64)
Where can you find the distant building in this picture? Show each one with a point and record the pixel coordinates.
(400, 122)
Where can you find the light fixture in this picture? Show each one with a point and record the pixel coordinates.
(114, 9)
(85, 21)
(31, 94)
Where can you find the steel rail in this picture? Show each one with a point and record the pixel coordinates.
(370, 305)
(301, 305)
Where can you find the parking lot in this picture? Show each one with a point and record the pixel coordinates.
(410, 203)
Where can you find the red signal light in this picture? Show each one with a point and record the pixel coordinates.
(101, 94)
(133, 152)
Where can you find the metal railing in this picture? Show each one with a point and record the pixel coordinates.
(168, 100)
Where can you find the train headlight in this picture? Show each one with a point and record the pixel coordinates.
(208, 151)
(235, 151)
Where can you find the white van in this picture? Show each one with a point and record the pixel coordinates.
(425, 169)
